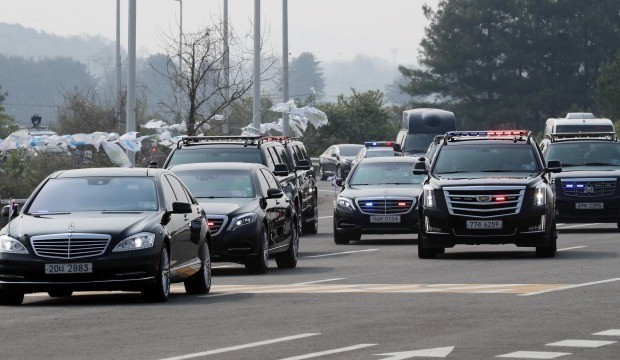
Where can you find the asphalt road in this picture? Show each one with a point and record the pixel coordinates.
(371, 299)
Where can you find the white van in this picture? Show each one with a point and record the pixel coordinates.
(578, 125)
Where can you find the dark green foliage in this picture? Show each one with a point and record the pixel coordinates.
(305, 72)
(355, 119)
(514, 63)
(7, 123)
(609, 89)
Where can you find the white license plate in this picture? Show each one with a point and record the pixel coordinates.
(484, 224)
(81, 268)
(589, 206)
(385, 218)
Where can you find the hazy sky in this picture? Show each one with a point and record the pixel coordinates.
(330, 29)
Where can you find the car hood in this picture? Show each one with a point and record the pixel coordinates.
(225, 206)
(363, 191)
(475, 179)
(587, 172)
(94, 222)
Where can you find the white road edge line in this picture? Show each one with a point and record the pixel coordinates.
(340, 253)
(570, 287)
(576, 226)
(328, 352)
(245, 346)
(318, 281)
(572, 248)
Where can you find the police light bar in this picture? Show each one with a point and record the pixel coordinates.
(275, 138)
(488, 133)
(369, 144)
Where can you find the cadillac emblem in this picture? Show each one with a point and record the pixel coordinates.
(484, 198)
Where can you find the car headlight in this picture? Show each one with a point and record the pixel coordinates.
(242, 220)
(429, 196)
(345, 203)
(139, 241)
(9, 245)
(540, 195)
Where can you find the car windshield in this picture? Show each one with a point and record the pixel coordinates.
(215, 154)
(485, 158)
(584, 153)
(95, 194)
(218, 183)
(350, 150)
(380, 152)
(418, 143)
(384, 173)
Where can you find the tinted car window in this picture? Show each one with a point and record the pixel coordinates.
(580, 153)
(384, 173)
(218, 183)
(178, 189)
(263, 183)
(418, 142)
(271, 180)
(96, 194)
(381, 152)
(349, 150)
(208, 155)
(583, 128)
(485, 157)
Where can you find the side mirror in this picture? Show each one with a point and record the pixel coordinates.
(153, 165)
(419, 168)
(181, 208)
(273, 193)
(280, 170)
(553, 166)
(334, 155)
(396, 147)
(303, 165)
(339, 182)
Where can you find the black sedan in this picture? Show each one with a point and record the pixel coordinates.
(379, 197)
(337, 159)
(106, 229)
(250, 217)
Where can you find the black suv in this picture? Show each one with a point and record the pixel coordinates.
(487, 187)
(587, 189)
(290, 172)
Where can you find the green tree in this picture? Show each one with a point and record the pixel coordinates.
(355, 119)
(7, 122)
(609, 89)
(514, 62)
(305, 74)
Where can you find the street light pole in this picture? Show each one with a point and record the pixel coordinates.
(131, 83)
(117, 77)
(180, 32)
(285, 116)
(225, 128)
(256, 103)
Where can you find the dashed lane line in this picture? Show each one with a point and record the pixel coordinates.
(611, 332)
(561, 226)
(566, 287)
(320, 281)
(329, 352)
(340, 253)
(572, 248)
(240, 347)
(533, 355)
(582, 343)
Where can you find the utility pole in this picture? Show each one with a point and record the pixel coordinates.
(256, 104)
(285, 116)
(225, 128)
(180, 32)
(131, 86)
(117, 83)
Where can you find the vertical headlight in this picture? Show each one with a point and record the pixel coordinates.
(9, 245)
(242, 220)
(540, 195)
(429, 196)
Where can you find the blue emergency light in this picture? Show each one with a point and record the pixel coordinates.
(369, 144)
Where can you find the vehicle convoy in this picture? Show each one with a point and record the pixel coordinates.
(375, 149)
(295, 175)
(487, 187)
(337, 159)
(249, 216)
(419, 127)
(379, 197)
(106, 229)
(587, 188)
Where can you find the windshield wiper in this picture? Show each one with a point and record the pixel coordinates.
(452, 172)
(596, 164)
(496, 170)
(50, 213)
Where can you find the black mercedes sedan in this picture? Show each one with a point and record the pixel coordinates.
(106, 229)
(379, 197)
(250, 217)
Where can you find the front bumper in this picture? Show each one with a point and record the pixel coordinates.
(567, 212)
(131, 271)
(355, 222)
(240, 245)
(440, 229)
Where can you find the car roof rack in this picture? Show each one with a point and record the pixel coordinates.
(201, 140)
(514, 135)
(280, 139)
(602, 135)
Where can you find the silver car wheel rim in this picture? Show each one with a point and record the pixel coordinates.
(265, 249)
(206, 268)
(165, 274)
(295, 243)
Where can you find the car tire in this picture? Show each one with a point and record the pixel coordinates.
(60, 293)
(288, 259)
(322, 173)
(261, 263)
(200, 282)
(426, 252)
(10, 297)
(550, 250)
(160, 291)
(312, 226)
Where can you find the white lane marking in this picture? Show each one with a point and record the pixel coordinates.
(612, 332)
(576, 226)
(569, 287)
(533, 355)
(441, 352)
(239, 347)
(331, 191)
(328, 352)
(221, 267)
(318, 281)
(572, 248)
(582, 343)
(340, 253)
(326, 217)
